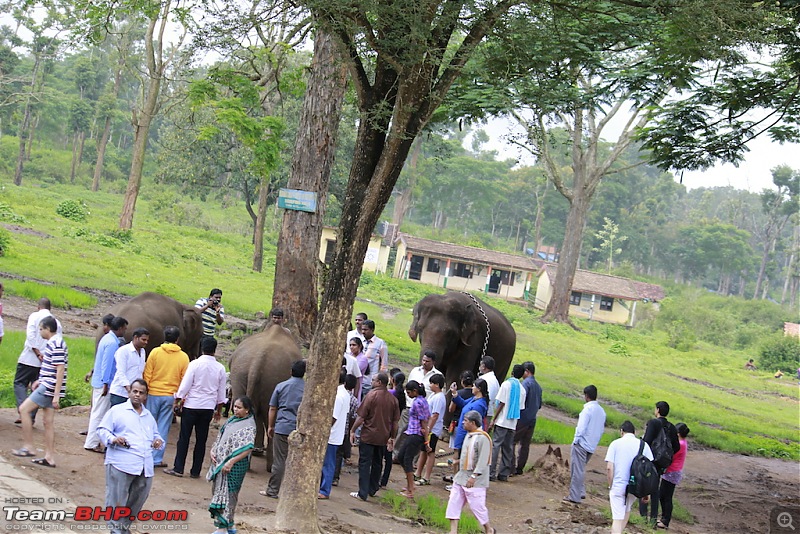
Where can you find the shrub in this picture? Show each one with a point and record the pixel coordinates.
(780, 352)
(72, 210)
(7, 214)
(5, 241)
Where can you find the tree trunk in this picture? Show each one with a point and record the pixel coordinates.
(763, 267)
(558, 307)
(31, 131)
(102, 144)
(258, 232)
(23, 138)
(74, 163)
(296, 266)
(402, 201)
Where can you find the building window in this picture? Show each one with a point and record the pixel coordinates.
(330, 250)
(507, 278)
(433, 265)
(575, 298)
(606, 303)
(462, 270)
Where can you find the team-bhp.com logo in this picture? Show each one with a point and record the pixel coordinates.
(93, 513)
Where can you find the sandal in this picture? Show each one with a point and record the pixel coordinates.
(407, 495)
(447, 478)
(422, 482)
(660, 524)
(172, 472)
(43, 462)
(23, 452)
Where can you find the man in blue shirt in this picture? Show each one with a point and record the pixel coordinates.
(591, 423)
(527, 417)
(101, 376)
(130, 434)
(282, 421)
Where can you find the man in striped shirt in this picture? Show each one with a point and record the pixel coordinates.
(212, 313)
(51, 387)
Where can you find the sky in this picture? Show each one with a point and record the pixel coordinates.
(753, 174)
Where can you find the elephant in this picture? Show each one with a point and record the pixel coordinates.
(258, 364)
(452, 326)
(153, 312)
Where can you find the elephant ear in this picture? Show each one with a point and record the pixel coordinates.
(470, 324)
(412, 331)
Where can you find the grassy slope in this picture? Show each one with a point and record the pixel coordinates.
(726, 407)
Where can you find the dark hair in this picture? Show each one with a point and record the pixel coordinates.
(277, 312)
(399, 379)
(208, 345)
(383, 378)
(49, 323)
(488, 362)
(107, 318)
(413, 385)
(467, 378)
(342, 376)
(350, 382)
(247, 404)
(369, 324)
(215, 291)
(528, 366)
(483, 387)
(362, 315)
(591, 392)
(437, 379)
(517, 371)
(299, 369)
(430, 354)
(663, 408)
(357, 340)
(143, 382)
(171, 333)
(44, 303)
(118, 322)
(141, 331)
(628, 428)
(682, 429)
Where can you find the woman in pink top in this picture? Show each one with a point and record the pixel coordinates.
(672, 477)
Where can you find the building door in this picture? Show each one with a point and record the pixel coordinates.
(494, 281)
(415, 270)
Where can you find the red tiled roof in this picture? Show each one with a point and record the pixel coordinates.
(608, 285)
(463, 253)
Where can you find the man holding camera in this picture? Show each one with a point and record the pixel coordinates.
(211, 311)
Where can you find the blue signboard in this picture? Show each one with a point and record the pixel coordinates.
(295, 199)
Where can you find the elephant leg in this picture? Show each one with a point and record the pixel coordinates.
(260, 433)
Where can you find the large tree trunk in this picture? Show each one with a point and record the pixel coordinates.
(297, 260)
(258, 231)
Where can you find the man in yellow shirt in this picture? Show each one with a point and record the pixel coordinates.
(163, 373)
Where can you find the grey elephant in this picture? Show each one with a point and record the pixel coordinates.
(258, 364)
(153, 312)
(454, 326)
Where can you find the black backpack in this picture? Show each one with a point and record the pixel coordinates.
(644, 477)
(662, 449)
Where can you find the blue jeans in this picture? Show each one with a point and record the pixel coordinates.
(161, 408)
(328, 467)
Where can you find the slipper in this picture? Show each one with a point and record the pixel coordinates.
(265, 494)
(406, 494)
(447, 478)
(43, 461)
(322, 497)
(355, 496)
(23, 452)
(97, 448)
(172, 472)
(423, 482)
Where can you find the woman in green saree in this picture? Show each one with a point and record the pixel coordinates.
(230, 459)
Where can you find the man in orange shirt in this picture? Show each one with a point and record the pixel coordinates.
(163, 372)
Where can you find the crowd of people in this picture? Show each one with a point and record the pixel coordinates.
(388, 418)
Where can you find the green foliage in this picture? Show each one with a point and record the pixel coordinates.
(73, 210)
(780, 352)
(119, 239)
(5, 241)
(8, 215)
(427, 510)
(60, 296)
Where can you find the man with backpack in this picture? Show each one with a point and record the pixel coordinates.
(621, 454)
(662, 437)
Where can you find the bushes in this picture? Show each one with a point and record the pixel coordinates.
(780, 352)
(5, 241)
(73, 210)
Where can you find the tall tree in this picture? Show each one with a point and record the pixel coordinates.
(402, 61)
(779, 205)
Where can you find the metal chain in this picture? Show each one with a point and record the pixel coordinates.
(488, 328)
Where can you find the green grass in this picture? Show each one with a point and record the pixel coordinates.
(428, 510)
(81, 360)
(60, 296)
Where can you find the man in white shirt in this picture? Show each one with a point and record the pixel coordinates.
(591, 423)
(377, 354)
(129, 360)
(200, 397)
(486, 370)
(30, 360)
(341, 407)
(423, 373)
(619, 457)
(510, 400)
(356, 332)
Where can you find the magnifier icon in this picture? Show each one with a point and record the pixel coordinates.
(785, 520)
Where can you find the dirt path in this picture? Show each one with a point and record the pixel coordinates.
(725, 493)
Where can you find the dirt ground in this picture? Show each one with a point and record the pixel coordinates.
(724, 492)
